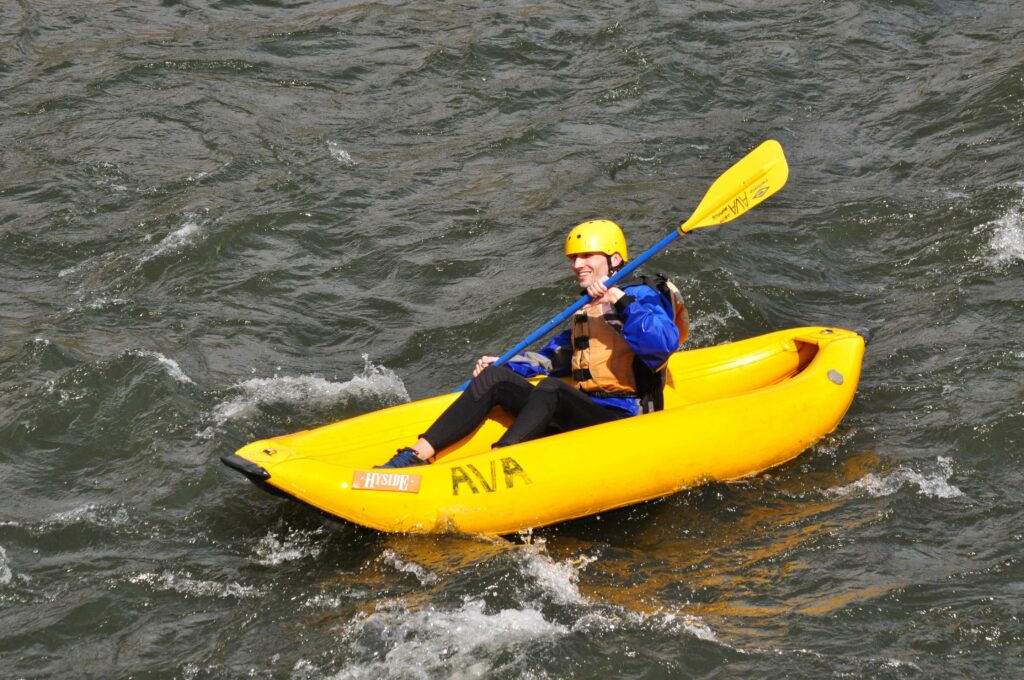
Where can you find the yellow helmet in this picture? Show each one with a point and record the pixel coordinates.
(596, 236)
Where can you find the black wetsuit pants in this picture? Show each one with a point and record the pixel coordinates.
(551, 402)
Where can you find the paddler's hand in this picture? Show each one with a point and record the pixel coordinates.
(482, 363)
(599, 293)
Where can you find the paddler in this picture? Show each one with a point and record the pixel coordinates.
(616, 328)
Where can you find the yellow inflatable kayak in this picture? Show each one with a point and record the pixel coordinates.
(730, 411)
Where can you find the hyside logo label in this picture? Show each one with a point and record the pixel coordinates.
(385, 481)
(488, 481)
(759, 191)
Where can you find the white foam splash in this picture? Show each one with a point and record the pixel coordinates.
(5, 570)
(271, 551)
(452, 644)
(184, 236)
(901, 663)
(935, 484)
(89, 513)
(304, 668)
(681, 623)
(706, 325)
(558, 579)
(424, 575)
(173, 369)
(103, 302)
(375, 382)
(1006, 238)
(323, 601)
(68, 271)
(184, 583)
(339, 154)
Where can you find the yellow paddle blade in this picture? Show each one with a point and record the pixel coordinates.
(757, 176)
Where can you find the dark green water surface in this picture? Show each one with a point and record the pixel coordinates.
(221, 221)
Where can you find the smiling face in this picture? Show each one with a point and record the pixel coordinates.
(592, 267)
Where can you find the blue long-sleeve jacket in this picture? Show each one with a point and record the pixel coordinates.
(647, 326)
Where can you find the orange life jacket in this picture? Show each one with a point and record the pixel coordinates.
(602, 360)
(604, 364)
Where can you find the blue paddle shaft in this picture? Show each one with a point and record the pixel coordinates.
(556, 321)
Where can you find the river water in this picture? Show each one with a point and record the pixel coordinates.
(225, 220)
